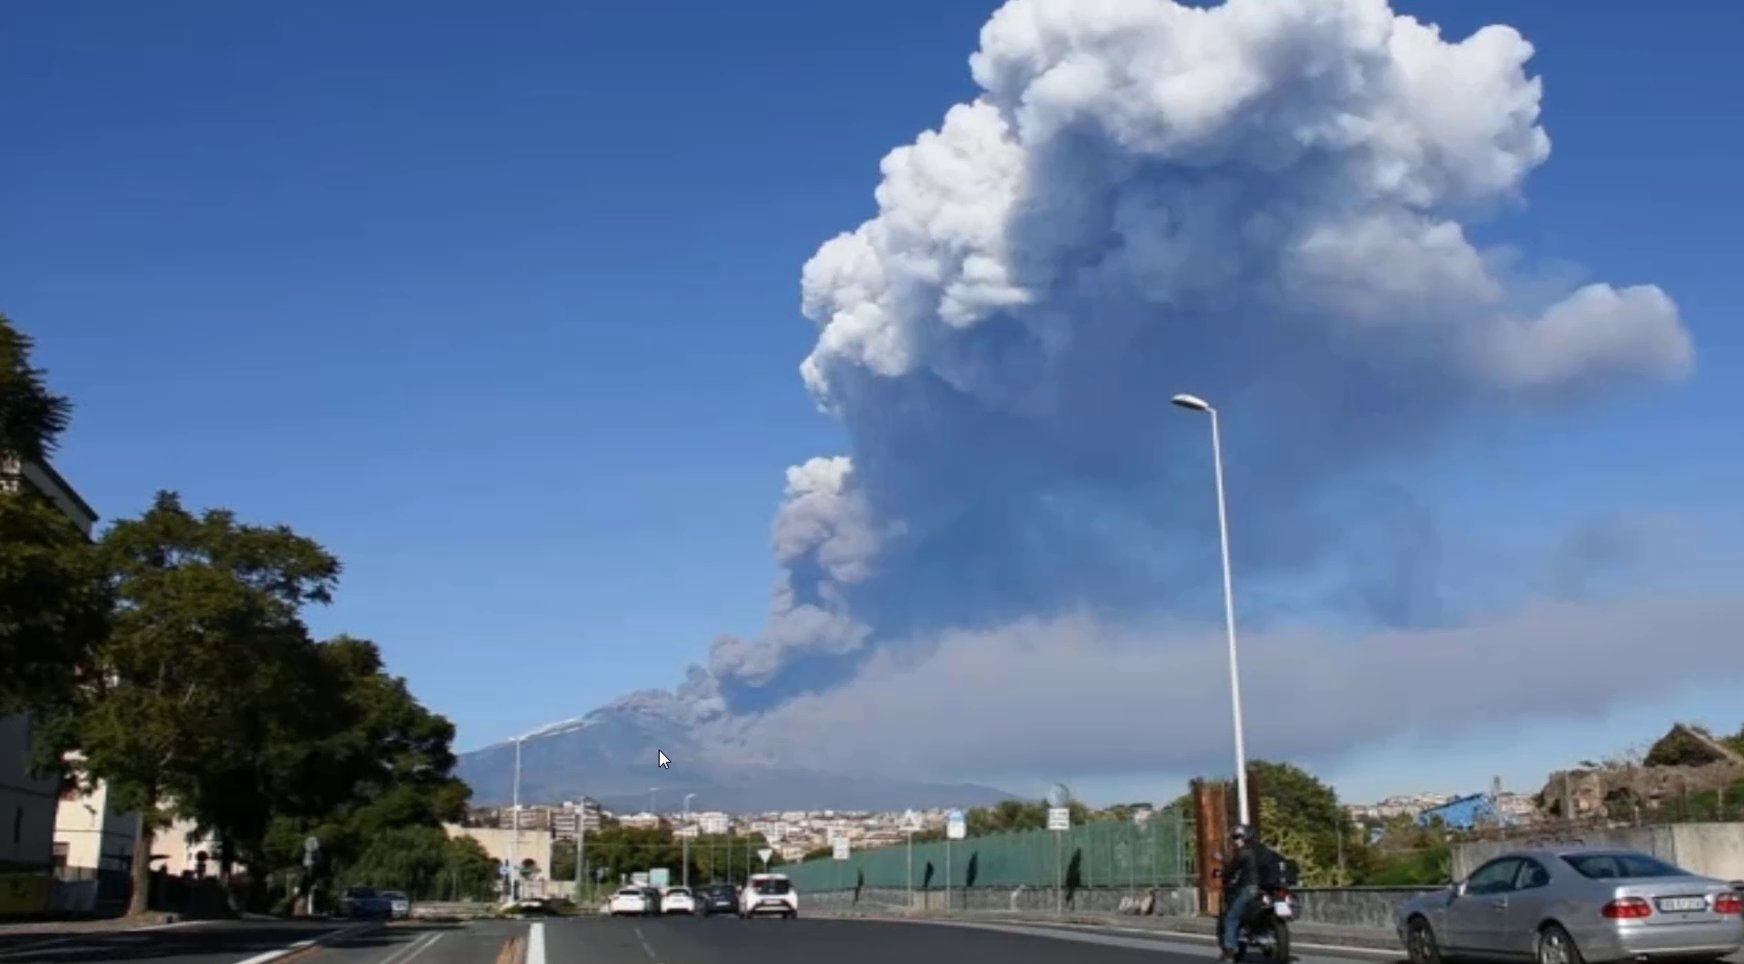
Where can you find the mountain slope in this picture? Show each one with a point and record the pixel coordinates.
(609, 755)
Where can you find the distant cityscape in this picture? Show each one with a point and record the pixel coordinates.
(795, 833)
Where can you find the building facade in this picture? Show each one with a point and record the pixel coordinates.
(29, 803)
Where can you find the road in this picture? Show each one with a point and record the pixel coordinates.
(593, 940)
(813, 941)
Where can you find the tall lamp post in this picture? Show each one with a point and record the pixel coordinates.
(1196, 404)
(515, 822)
(684, 851)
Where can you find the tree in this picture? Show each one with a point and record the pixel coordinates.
(425, 864)
(346, 754)
(207, 621)
(32, 417)
(54, 603)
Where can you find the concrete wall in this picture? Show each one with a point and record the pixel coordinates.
(95, 834)
(1711, 849)
(1352, 907)
(501, 843)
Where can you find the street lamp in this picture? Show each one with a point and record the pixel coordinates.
(684, 853)
(651, 792)
(515, 821)
(1197, 404)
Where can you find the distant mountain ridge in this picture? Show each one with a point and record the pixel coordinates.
(609, 755)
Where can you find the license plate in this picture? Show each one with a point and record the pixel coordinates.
(1682, 905)
(1283, 909)
(770, 903)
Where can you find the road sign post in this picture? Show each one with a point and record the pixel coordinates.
(841, 850)
(955, 829)
(1059, 821)
(764, 854)
(311, 860)
(910, 824)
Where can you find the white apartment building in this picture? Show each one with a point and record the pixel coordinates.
(714, 823)
(640, 821)
(90, 833)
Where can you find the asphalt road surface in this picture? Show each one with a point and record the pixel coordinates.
(594, 940)
(728, 940)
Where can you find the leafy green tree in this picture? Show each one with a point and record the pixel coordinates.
(208, 611)
(361, 760)
(54, 600)
(1305, 812)
(32, 417)
(424, 863)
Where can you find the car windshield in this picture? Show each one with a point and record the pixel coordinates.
(772, 886)
(678, 892)
(393, 895)
(1625, 865)
(629, 892)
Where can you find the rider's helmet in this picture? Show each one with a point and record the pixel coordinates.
(1243, 834)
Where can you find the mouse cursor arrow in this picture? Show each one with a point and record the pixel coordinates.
(661, 760)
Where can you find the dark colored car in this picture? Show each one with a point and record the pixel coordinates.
(719, 899)
(364, 902)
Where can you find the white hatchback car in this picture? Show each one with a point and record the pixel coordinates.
(769, 894)
(677, 900)
(629, 902)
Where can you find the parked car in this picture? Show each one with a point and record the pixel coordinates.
(677, 900)
(399, 905)
(769, 894)
(1566, 906)
(720, 899)
(629, 902)
(364, 902)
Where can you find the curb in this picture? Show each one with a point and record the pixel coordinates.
(283, 954)
(1378, 944)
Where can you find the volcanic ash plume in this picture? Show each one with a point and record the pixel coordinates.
(1263, 203)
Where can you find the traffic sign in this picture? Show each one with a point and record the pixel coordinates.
(1059, 818)
(911, 822)
(956, 825)
(763, 854)
(842, 848)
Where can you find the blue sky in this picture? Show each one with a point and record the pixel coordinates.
(504, 306)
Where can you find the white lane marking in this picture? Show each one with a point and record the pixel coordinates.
(277, 953)
(1086, 936)
(640, 940)
(406, 952)
(536, 944)
(327, 938)
(1164, 936)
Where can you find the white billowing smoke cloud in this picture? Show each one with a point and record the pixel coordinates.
(1040, 694)
(1260, 202)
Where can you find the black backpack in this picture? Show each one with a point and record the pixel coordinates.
(1272, 869)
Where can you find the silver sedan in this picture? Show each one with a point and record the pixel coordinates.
(1572, 906)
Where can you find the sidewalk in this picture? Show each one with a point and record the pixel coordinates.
(1306, 932)
(90, 925)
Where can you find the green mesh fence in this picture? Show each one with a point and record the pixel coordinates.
(1102, 854)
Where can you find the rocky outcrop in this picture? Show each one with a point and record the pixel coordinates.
(1596, 792)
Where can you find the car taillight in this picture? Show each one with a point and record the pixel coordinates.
(1729, 904)
(1628, 908)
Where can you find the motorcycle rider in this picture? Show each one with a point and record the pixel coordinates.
(1242, 875)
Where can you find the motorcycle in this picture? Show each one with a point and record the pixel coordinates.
(1267, 926)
